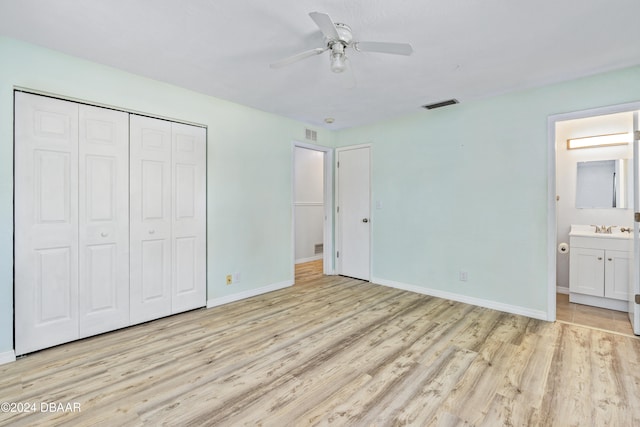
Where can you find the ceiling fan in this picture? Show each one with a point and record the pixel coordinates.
(337, 39)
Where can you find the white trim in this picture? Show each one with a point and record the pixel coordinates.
(508, 308)
(552, 232)
(103, 105)
(7, 357)
(248, 294)
(551, 189)
(354, 147)
(309, 259)
(608, 303)
(562, 290)
(308, 204)
(327, 235)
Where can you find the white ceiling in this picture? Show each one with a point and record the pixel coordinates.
(464, 49)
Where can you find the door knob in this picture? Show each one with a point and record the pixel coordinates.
(104, 234)
(365, 219)
(152, 231)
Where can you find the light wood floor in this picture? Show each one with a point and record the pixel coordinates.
(334, 350)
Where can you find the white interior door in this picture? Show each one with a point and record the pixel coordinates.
(46, 222)
(353, 212)
(188, 284)
(150, 218)
(634, 288)
(104, 220)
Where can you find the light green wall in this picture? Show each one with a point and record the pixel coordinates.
(464, 188)
(249, 165)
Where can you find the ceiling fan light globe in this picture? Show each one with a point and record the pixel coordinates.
(338, 63)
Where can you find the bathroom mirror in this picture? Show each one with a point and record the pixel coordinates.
(602, 184)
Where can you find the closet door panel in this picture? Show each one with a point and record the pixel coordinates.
(46, 222)
(104, 220)
(189, 217)
(150, 218)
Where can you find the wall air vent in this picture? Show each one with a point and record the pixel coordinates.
(311, 135)
(440, 104)
(318, 248)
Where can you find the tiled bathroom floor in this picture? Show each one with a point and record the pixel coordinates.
(601, 318)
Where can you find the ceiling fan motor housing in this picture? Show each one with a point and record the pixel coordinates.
(344, 32)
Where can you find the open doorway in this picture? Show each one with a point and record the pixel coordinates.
(592, 274)
(312, 210)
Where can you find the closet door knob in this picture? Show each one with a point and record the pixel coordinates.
(599, 258)
(610, 259)
(152, 231)
(365, 219)
(104, 234)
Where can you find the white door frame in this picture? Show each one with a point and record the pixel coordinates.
(327, 235)
(338, 228)
(551, 189)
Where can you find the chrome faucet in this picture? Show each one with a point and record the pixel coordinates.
(603, 229)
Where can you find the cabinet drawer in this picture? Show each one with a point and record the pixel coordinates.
(601, 243)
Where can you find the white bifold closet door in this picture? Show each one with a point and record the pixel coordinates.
(103, 220)
(71, 221)
(189, 223)
(46, 222)
(168, 224)
(110, 220)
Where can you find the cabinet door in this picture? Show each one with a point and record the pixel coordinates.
(617, 274)
(150, 214)
(104, 220)
(587, 271)
(46, 222)
(188, 287)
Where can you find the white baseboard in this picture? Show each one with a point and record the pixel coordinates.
(508, 308)
(311, 258)
(562, 290)
(248, 294)
(611, 304)
(7, 357)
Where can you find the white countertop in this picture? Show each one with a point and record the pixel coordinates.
(590, 231)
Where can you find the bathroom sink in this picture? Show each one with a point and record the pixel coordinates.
(590, 231)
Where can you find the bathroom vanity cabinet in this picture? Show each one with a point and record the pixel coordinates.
(600, 269)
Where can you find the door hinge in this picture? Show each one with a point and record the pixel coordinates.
(338, 254)
(636, 134)
(637, 298)
(338, 209)
(338, 165)
(636, 217)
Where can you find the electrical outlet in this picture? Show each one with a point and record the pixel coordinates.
(229, 279)
(463, 276)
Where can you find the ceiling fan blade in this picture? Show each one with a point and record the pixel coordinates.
(326, 25)
(298, 57)
(384, 47)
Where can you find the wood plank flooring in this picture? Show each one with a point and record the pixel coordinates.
(335, 350)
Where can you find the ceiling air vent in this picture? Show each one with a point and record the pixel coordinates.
(311, 135)
(440, 104)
